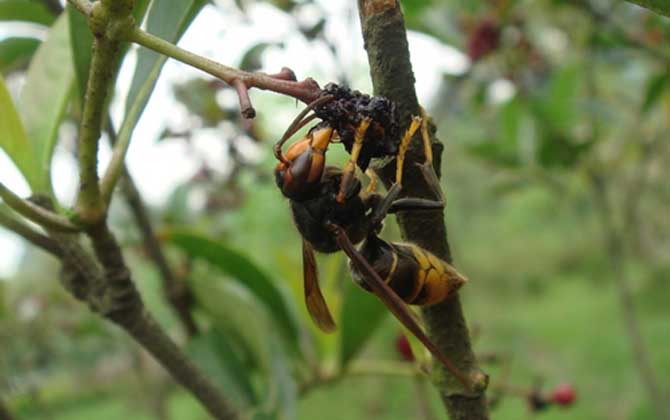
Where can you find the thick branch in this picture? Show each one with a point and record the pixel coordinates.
(106, 19)
(386, 44)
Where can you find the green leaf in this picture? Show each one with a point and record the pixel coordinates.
(251, 332)
(45, 96)
(659, 6)
(13, 139)
(16, 52)
(557, 105)
(81, 38)
(656, 85)
(82, 42)
(215, 353)
(199, 98)
(26, 10)
(504, 148)
(242, 270)
(362, 313)
(282, 394)
(556, 150)
(167, 19)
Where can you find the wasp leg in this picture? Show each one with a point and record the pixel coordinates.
(383, 208)
(350, 170)
(404, 144)
(299, 122)
(397, 307)
(427, 148)
(427, 168)
(372, 186)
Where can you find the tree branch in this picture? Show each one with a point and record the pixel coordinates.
(28, 233)
(283, 82)
(110, 292)
(35, 213)
(107, 19)
(386, 44)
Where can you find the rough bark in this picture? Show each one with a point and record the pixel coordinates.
(391, 71)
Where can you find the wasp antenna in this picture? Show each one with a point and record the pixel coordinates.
(299, 122)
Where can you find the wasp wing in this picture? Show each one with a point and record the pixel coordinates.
(316, 304)
(397, 307)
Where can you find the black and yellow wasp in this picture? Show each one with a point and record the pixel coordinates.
(332, 212)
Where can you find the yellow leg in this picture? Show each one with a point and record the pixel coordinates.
(372, 186)
(427, 167)
(350, 169)
(428, 150)
(404, 144)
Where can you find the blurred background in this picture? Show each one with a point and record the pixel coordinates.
(555, 116)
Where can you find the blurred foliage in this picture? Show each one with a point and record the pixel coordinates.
(555, 92)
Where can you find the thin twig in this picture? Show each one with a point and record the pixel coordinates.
(29, 234)
(283, 82)
(36, 213)
(306, 90)
(366, 368)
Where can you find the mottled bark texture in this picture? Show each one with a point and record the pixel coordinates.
(391, 71)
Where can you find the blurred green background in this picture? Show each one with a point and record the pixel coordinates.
(555, 116)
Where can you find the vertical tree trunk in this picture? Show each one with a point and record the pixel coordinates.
(391, 71)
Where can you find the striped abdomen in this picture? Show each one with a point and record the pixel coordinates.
(417, 276)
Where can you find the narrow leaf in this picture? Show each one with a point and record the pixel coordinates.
(656, 85)
(45, 96)
(13, 139)
(167, 19)
(16, 52)
(242, 270)
(215, 354)
(362, 313)
(81, 38)
(251, 332)
(26, 10)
